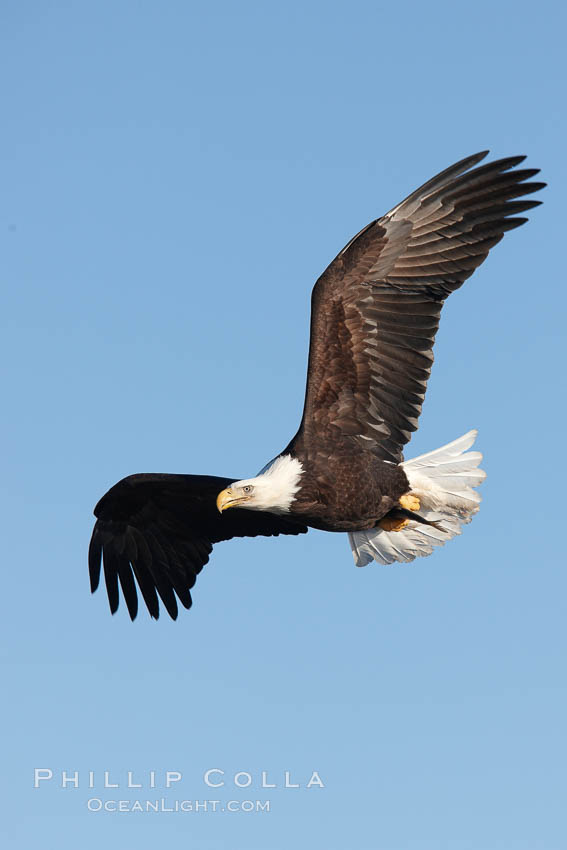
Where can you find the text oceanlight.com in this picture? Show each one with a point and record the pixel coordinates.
(95, 804)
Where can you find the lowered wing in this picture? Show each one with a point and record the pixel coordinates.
(155, 532)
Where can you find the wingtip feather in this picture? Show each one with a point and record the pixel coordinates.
(95, 554)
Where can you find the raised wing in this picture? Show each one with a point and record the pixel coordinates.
(375, 310)
(158, 531)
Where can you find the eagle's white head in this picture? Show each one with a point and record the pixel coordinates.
(272, 490)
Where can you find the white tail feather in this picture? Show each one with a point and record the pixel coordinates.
(443, 481)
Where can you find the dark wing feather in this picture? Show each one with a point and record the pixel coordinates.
(158, 531)
(375, 310)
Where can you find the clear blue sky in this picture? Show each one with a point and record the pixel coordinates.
(176, 176)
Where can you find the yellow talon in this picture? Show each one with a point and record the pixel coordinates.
(393, 524)
(410, 502)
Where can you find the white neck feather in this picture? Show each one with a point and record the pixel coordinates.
(276, 485)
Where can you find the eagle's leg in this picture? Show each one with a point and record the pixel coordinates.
(393, 523)
(409, 502)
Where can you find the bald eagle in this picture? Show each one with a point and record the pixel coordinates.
(374, 315)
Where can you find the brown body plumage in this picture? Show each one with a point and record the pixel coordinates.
(345, 491)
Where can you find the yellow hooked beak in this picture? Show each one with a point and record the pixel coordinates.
(226, 499)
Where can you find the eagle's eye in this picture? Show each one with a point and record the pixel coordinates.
(248, 488)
